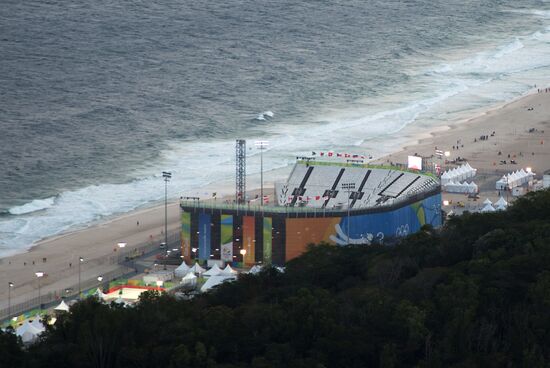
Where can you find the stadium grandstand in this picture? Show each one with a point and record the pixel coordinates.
(328, 201)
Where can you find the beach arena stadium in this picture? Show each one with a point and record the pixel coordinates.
(338, 203)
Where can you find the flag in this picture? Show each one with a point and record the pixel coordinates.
(339, 155)
(330, 154)
(347, 155)
(313, 153)
(317, 198)
(266, 199)
(322, 153)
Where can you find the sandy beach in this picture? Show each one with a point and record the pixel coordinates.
(521, 129)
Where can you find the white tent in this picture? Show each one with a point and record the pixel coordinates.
(182, 270)
(37, 324)
(460, 173)
(214, 271)
(197, 269)
(189, 279)
(502, 183)
(487, 201)
(500, 208)
(228, 271)
(62, 307)
(215, 280)
(501, 202)
(451, 213)
(100, 295)
(488, 208)
(27, 332)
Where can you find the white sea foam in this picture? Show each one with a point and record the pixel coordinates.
(434, 94)
(263, 115)
(35, 205)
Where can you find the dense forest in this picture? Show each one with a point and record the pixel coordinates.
(473, 294)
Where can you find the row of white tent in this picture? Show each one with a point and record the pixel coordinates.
(29, 331)
(514, 179)
(489, 206)
(465, 187)
(183, 269)
(458, 174)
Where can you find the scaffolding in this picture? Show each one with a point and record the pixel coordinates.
(240, 171)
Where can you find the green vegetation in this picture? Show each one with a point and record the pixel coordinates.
(475, 294)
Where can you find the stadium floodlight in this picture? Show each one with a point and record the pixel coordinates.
(261, 145)
(10, 285)
(167, 176)
(348, 187)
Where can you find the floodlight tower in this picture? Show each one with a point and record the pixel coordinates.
(240, 170)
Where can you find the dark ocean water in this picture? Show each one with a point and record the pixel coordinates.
(98, 98)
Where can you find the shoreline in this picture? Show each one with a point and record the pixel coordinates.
(510, 120)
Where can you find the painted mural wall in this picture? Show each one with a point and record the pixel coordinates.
(363, 229)
(186, 235)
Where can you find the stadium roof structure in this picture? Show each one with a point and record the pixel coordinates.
(333, 185)
(327, 187)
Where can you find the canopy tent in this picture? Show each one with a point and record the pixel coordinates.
(500, 208)
(37, 324)
(457, 187)
(119, 300)
(514, 179)
(451, 213)
(488, 208)
(189, 279)
(457, 174)
(197, 269)
(214, 271)
(182, 270)
(27, 332)
(487, 201)
(62, 307)
(255, 269)
(214, 281)
(100, 295)
(501, 202)
(229, 271)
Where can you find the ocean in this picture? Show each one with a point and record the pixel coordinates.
(97, 99)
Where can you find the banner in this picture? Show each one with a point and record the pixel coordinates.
(204, 236)
(268, 237)
(186, 235)
(249, 239)
(226, 238)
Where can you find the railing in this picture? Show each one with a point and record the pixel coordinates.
(122, 256)
(214, 205)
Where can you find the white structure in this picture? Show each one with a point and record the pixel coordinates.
(457, 187)
(458, 174)
(27, 332)
(228, 271)
(488, 208)
(214, 271)
(182, 270)
(163, 276)
(214, 281)
(63, 307)
(514, 179)
(189, 280)
(501, 203)
(487, 201)
(197, 269)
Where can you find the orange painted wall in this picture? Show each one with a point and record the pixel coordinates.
(249, 238)
(303, 231)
